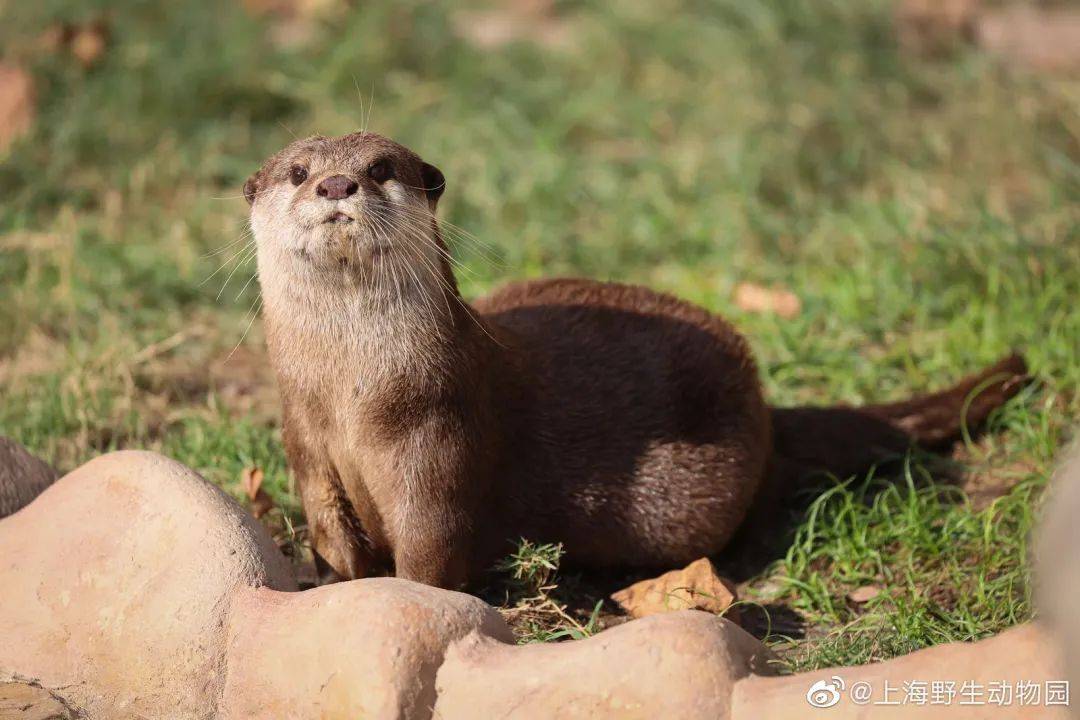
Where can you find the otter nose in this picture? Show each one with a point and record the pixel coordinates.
(337, 187)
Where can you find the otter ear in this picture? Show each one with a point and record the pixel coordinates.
(251, 188)
(434, 182)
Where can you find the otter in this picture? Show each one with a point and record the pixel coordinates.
(425, 432)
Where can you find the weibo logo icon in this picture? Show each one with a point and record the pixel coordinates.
(825, 693)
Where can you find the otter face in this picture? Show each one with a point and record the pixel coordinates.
(345, 203)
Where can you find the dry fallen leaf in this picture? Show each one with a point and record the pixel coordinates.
(1041, 39)
(294, 8)
(511, 21)
(251, 481)
(294, 23)
(933, 27)
(85, 41)
(863, 595)
(55, 39)
(697, 586)
(760, 299)
(17, 104)
(88, 43)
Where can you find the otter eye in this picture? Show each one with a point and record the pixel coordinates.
(381, 171)
(297, 174)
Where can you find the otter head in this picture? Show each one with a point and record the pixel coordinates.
(343, 206)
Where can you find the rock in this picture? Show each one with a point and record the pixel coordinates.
(134, 588)
(679, 665)
(22, 476)
(116, 584)
(361, 649)
(1057, 572)
(1025, 654)
(18, 100)
(697, 586)
(759, 299)
(28, 702)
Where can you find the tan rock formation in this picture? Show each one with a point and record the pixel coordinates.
(134, 588)
(362, 649)
(115, 586)
(28, 702)
(1057, 562)
(1024, 654)
(678, 665)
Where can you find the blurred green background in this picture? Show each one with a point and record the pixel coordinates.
(921, 204)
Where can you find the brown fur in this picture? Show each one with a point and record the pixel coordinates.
(426, 433)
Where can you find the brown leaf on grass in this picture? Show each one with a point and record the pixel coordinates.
(1041, 39)
(511, 21)
(294, 8)
(863, 595)
(755, 298)
(18, 99)
(934, 27)
(251, 481)
(85, 41)
(1044, 39)
(88, 43)
(697, 586)
(294, 23)
(55, 39)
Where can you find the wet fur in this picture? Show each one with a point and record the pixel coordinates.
(427, 434)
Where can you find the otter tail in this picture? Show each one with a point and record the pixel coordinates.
(845, 440)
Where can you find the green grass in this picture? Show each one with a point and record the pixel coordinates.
(925, 211)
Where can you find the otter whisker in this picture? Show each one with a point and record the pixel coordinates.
(245, 235)
(457, 298)
(459, 235)
(426, 302)
(225, 264)
(422, 229)
(459, 232)
(248, 328)
(287, 129)
(425, 299)
(250, 279)
(371, 108)
(407, 234)
(240, 264)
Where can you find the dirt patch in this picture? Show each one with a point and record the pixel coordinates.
(241, 380)
(987, 477)
(38, 354)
